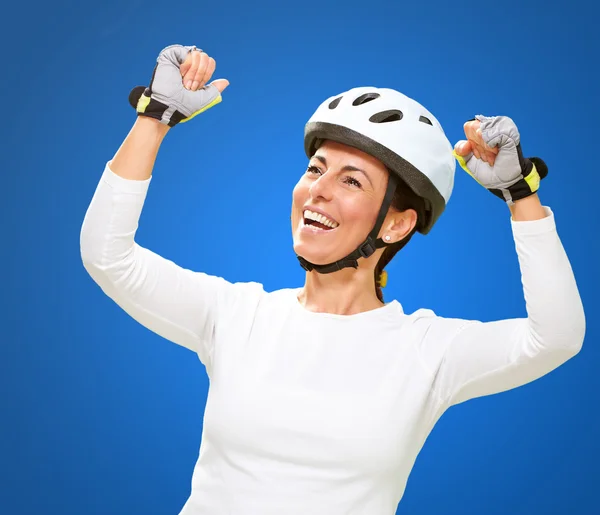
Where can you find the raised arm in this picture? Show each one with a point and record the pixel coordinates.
(473, 358)
(178, 304)
(175, 303)
(483, 358)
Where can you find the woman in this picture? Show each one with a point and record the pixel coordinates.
(288, 428)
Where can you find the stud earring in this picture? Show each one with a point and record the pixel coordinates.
(388, 238)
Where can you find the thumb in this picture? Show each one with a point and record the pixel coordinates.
(220, 84)
(463, 147)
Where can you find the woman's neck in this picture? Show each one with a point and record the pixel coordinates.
(346, 292)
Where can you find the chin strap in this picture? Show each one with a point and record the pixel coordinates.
(368, 247)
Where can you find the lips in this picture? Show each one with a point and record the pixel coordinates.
(320, 219)
(313, 228)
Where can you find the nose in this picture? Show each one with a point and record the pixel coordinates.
(322, 187)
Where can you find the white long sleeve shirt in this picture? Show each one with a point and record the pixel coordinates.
(315, 413)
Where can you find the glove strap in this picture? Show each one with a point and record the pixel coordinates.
(534, 170)
(140, 99)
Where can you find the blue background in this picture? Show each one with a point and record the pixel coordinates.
(98, 414)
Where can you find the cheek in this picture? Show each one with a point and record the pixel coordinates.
(359, 214)
(299, 196)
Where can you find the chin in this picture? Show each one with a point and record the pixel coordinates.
(314, 253)
(312, 257)
(319, 248)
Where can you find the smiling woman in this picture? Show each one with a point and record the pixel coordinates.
(322, 396)
(352, 195)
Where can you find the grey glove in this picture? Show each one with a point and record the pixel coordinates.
(166, 99)
(512, 176)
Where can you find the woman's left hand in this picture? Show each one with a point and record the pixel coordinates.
(492, 155)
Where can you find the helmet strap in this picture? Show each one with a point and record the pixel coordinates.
(368, 247)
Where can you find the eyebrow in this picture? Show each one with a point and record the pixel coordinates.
(347, 168)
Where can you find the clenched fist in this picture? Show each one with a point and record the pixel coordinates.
(179, 89)
(492, 156)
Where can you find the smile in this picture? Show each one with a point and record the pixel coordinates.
(318, 221)
(308, 228)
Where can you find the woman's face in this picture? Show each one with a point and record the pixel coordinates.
(343, 189)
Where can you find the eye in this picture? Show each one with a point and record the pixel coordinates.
(313, 169)
(352, 181)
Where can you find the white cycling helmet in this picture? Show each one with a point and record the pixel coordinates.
(400, 133)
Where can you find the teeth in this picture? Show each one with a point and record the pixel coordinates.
(320, 218)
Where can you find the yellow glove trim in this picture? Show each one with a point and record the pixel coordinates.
(208, 106)
(533, 179)
(142, 104)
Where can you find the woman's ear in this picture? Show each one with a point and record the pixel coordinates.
(399, 225)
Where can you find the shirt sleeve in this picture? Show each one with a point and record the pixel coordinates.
(476, 358)
(180, 305)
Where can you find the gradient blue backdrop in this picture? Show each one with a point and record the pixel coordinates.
(101, 416)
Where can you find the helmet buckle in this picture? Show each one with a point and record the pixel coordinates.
(367, 248)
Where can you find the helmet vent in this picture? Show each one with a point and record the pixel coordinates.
(392, 115)
(425, 120)
(334, 103)
(363, 99)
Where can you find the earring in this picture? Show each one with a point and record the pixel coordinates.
(388, 238)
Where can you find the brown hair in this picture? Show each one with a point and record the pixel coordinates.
(404, 198)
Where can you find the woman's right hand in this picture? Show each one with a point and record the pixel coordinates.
(179, 88)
